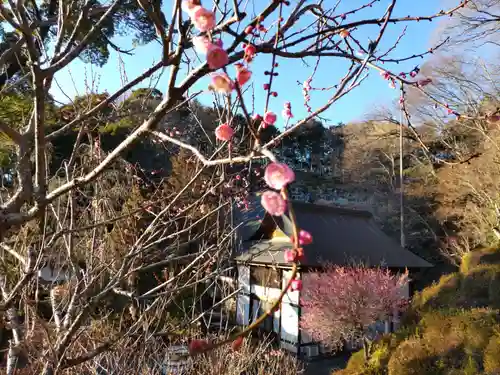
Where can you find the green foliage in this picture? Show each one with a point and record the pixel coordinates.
(145, 93)
(128, 19)
(15, 111)
(118, 127)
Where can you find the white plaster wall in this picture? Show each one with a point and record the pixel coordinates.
(50, 274)
(289, 323)
(290, 347)
(266, 294)
(244, 278)
(290, 297)
(242, 304)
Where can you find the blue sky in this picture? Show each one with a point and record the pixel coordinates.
(79, 77)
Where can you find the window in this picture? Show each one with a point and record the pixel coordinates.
(265, 276)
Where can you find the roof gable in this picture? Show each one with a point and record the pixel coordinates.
(340, 236)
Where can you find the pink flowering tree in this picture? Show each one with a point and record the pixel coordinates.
(207, 49)
(342, 302)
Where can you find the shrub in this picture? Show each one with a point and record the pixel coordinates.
(446, 341)
(480, 286)
(491, 358)
(490, 255)
(442, 293)
(414, 357)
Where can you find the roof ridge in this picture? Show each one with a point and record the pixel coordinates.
(332, 209)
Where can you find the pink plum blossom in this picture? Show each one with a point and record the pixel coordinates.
(201, 44)
(189, 5)
(278, 175)
(222, 83)
(273, 203)
(243, 75)
(203, 19)
(216, 57)
(224, 132)
(270, 118)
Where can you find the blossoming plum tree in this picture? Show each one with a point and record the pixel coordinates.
(342, 302)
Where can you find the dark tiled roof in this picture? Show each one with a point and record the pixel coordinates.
(340, 236)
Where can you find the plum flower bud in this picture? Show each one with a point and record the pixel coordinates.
(257, 117)
(236, 344)
(250, 52)
(222, 83)
(216, 57)
(197, 346)
(278, 175)
(344, 33)
(203, 19)
(270, 118)
(224, 132)
(243, 75)
(273, 203)
(306, 86)
(287, 111)
(287, 114)
(289, 256)
(413, 74)
(424, 82)
(296, 285)
(385, 75)
(249, 29)
(305, 238)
